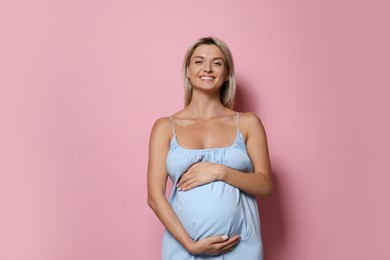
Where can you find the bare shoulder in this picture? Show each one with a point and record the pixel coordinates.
(162, 128)
(250, 119)
(250, 122)
(162, 122)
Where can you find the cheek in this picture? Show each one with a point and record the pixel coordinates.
(224, 74)
(191, 72)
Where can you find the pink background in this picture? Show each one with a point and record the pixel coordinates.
(83, 81)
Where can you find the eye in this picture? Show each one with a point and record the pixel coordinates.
(218, 63)
(198, 62)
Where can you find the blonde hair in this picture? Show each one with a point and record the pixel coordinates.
(228, 89)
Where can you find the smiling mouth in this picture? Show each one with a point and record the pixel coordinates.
(206, 78)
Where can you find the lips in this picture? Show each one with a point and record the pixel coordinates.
(206, 78)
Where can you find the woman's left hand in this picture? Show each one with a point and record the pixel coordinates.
(199, 174)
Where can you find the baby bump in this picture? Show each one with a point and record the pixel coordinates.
(211, 209)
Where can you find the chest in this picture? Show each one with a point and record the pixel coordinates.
(197, 134)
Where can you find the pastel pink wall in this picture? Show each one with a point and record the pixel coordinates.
(81, 83)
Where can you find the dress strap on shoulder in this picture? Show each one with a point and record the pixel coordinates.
(173, 126)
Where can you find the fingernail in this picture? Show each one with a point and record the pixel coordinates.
(225, 237)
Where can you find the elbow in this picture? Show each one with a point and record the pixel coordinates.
(154, 200)
(151, 202)
(266, 193)
(155, 196)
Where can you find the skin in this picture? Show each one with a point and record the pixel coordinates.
(206, 123)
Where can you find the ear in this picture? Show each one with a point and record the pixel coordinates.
(188, 76)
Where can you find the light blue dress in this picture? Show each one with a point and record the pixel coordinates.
(216, 208)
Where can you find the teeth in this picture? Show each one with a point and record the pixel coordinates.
(207, 78)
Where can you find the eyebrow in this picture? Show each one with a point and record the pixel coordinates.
(201, 57)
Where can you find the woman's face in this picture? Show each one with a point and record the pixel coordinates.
(207, 68)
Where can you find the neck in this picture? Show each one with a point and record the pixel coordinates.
(205, 106)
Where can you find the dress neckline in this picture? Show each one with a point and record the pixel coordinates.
(238, 135)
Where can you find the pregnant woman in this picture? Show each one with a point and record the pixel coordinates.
(217, 160)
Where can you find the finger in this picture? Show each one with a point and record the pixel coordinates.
(228, 246)
(185, 177)
(217, 239)
(189, 184)
(231, 241)
(236, 237)
(184, 180)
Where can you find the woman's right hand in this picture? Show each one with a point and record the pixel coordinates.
(216, 245)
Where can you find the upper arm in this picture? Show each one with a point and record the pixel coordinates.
(158, 150)
(256, 142)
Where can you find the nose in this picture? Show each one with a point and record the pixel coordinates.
(208, 67)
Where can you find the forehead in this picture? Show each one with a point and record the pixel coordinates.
(208, 50)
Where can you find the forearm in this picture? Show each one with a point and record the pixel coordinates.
(169, 219)
(256, 183)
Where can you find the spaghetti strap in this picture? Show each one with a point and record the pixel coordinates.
(173, 126)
